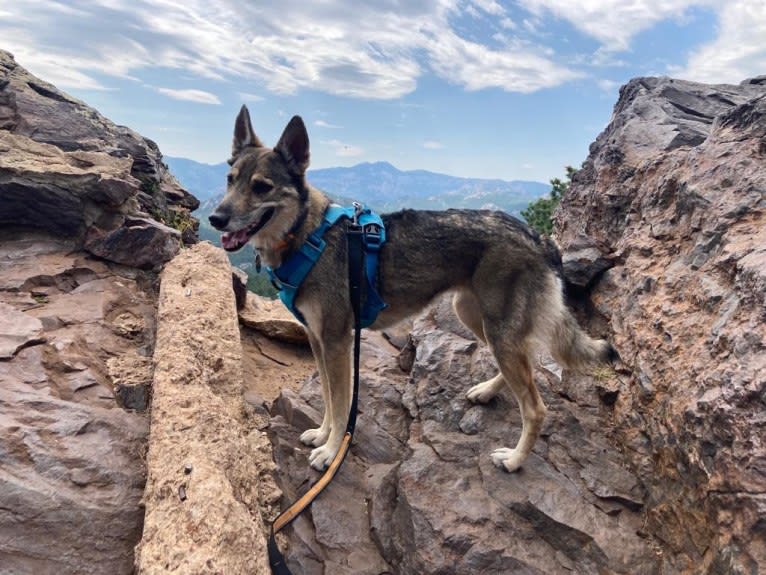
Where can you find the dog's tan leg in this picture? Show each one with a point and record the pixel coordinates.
(486, 390)
(517, 370)
(337, 361)
(467, 309)
(319, 435)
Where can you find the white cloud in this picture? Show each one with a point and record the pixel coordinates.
(607, 85)
(508, 24)
(248, 97)
(612, 22)
(323, 124)
(199, 96)
(476, 67)
(738, 52)
(433, 145)
(489, 6)
(378, 50)
(344, 150)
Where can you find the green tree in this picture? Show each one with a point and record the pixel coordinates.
(539, 213)
(260, 283)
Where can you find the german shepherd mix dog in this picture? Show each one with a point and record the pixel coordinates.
(506, 281)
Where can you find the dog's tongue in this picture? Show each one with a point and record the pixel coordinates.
(234, 240)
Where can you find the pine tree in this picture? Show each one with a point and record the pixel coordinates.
(539, 213)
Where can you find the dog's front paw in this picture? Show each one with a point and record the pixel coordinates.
(508, 459)
(315, 437)
(484, 391)
(322, 456)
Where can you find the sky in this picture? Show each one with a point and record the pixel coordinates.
(475, 88)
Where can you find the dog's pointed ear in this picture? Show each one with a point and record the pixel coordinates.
(244, 135)
(294, 145)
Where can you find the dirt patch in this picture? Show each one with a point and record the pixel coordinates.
(270, 366)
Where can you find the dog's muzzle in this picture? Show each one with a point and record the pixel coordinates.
(232, 241)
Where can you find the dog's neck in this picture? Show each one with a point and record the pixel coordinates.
(275, 249)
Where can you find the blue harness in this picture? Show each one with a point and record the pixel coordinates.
(289, 276)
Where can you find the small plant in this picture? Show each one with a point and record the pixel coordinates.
(149, 186)
(180, 220)
(602, 373)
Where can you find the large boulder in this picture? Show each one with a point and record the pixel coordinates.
(71, 467)
(76, 331)
(66, 169)
(673, 194)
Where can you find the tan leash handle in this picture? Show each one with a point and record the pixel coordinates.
(289, 514)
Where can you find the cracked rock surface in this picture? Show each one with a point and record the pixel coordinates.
(419, 494)
(71, 460)
(679, 210)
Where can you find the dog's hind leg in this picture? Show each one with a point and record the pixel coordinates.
(318, 436)
(467, 309)
(517, 370)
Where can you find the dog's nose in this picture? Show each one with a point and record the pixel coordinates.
(218, 220)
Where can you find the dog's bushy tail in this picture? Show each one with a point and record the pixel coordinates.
(570, 346)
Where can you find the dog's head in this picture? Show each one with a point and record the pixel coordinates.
(266, 190)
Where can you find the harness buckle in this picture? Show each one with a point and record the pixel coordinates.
(313, 247)
(373, 236)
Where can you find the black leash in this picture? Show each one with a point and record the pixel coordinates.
(356, 266)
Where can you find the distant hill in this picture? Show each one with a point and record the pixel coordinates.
(203, 180)
(381, 185)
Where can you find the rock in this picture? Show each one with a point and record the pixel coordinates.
(82, 170)
(436, 503)
(61, 192)
(131, 375)
(584, 262)
(203, 492)
(272, 319)
(141, 243)
(17, 331)
(71, 472)
(239, 284)
(674, 188)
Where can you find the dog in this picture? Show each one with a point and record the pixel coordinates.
(506, 281)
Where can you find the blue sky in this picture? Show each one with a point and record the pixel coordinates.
(479, 88)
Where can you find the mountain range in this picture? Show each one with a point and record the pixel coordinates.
(381, 186)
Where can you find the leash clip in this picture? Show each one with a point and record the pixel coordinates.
(358, 211)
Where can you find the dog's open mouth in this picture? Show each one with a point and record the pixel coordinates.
(232, 241)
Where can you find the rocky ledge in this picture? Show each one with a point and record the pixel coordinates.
(67, 170)
(88, 215)
(419, 493)
(76, 337)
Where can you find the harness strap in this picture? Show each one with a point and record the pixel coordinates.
(289, 276)
(356, 266)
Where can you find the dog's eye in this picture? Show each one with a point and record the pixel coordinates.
(229, 179)
(261, 187)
